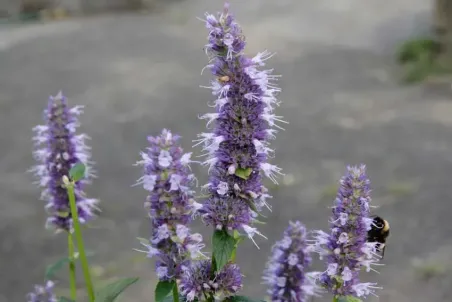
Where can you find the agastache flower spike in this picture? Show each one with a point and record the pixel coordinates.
(198, 282)
(286, 273)
(43, 293)
(237, 148)
(170, 202)
(59, 148)
(345, 247)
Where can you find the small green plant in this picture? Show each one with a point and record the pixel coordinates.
(421, 58)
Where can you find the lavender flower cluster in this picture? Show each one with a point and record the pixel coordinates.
(237, 148)
(168, 179)
(237, 153)
(346, 248)
(58, 149)
(199, 282)
(286, 273)
(43, 293)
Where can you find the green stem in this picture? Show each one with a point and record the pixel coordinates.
(72, 279)
(335, 299)
(175, 294)
(78, 236)
(205, 296)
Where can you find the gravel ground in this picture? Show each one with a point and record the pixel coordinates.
(138, 73)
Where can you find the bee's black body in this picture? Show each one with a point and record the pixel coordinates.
(379, 233)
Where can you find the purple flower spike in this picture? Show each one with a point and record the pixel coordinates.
(197, 281)
(168, 179)
(43, 293)
(237, 149)
(345, 247)
(59, 148)
(286, 274)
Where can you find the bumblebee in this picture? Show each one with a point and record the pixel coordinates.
(379, 232)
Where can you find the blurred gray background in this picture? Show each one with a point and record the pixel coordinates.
(137, 72)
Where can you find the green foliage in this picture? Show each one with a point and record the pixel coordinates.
(53, 268)
(77, 172)
(243, 173)
(223, 246)
(242, 299)
(415, 50)
(419, 58)
(64, 299)
(163, 289)
(347, 299)
(110, 292)
(238, 238)
(170, 298)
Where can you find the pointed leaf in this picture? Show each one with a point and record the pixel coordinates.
(77, 171)
(238, 238)
(223, 246)
(243, 173)
(53, 268)
(62, 214)
(110, 292)
(242, 299)
(169, 298)
(163, 289)
(251, 204)
(348, 299)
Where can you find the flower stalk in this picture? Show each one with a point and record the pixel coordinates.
(78, 235)
(72, 275)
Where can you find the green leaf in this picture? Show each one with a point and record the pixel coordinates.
(63, 214)
(243, 173)
(255, 221)
(110, 292)
(169, 298)
(250, 203)
(77, 171)
(53, 268)
(223, 246)
(242, 299)
(347, 299)
(163, 289)
(238, 238)
(64, 299)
